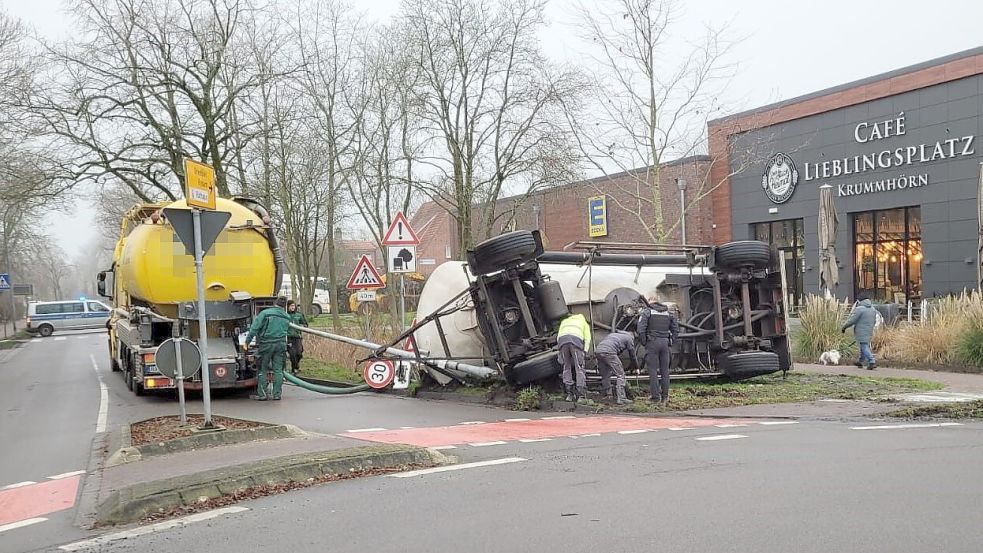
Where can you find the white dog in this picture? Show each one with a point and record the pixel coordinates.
(831, 357)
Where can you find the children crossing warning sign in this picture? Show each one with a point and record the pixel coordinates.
(365, 276)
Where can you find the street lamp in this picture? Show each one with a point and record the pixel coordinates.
(681, 183)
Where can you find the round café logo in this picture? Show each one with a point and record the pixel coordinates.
(780, 178)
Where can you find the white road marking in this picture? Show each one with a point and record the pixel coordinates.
(484, 444)
(66, 475)
(721, 437)
(434, 470)
(901, 426)
(19, 485)
(729, 425)
(676, 428)
(516, 420)
(633, 431)
(407, 427)
(21, 524)
(442, 447)
(472, 422)
(366, 430)
(143, 530)
(60, 338)
(560, 417)
(776, 423)
(37, 340)
(535, 440)
(103, 399)
(585, 436)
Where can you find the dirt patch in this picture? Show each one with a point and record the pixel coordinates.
(966, 410)
(255, 492)
(162, 429)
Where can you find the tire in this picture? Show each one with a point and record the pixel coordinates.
(503, 251)
(740, 366)
(539, 367)
(744, 253)
(46, 330)
(128, 377)
(316, 310)
(138, 389)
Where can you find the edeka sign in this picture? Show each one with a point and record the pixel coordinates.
(597, 216)
(888, 158)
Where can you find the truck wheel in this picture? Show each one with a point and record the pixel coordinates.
(748, 364)
(316, 310)
(128, 377)
(138, 389)
(502, 251)
(743, 253)
(46, 330)
(544, 365)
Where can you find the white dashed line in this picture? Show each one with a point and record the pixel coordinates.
(517, 420)
(21, 524)
(60, 338)
(485, 444)
(633, 431)
(434, 470)
(443, 447)
(472, 422)
(19, 485)
(903, 426)
(729, 425)
(82, 337)
(357, 430)
(103, 399)
(535, 440)
(776, 423)
(677, 429)
(586, 436)
(407, 427)
(35, 340)
(66, 475)
(143, 530)
(721, 437)
(560, 417)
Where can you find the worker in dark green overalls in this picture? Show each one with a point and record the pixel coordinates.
(270, 329)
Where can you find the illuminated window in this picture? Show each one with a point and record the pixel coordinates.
(888, 254)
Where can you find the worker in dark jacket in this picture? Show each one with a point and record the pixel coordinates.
(295, 340)
(270, 329)
(863, 320)
(608, 352)
(657, 330)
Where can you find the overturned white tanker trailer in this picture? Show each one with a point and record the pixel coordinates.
(501, 308)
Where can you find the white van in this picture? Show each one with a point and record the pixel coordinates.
(45, 317)
(322, 299)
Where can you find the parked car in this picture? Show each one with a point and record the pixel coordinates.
(45, 317)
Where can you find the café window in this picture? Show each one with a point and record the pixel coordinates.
(888, 254)
(787, 236)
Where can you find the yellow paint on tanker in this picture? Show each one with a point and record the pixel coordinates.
(154, 267)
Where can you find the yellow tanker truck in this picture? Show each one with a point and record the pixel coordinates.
(152, 286)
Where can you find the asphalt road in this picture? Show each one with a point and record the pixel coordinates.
(811, 486)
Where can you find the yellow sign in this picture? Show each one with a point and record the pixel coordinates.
(597, 216)
(199, 180)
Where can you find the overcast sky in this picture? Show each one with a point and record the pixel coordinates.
(788, 48)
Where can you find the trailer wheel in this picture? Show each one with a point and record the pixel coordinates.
(499, 252)
(748, 364)
(743, 253)
(544, 365)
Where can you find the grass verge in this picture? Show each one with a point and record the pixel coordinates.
(797, 388)
(14, 340)
(965, 410)
(313, 368)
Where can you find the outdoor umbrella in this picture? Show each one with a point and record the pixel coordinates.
(829, 272)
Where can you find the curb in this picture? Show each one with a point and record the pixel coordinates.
(88, 501)
(132, 503)
(128, 453)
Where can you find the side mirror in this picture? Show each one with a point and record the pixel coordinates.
(101, 284)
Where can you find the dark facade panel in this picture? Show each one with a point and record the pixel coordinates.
(934, 165)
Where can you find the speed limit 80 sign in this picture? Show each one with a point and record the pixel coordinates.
(378, 373)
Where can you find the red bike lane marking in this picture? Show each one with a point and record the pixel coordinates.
(36, 500)
(528, 430)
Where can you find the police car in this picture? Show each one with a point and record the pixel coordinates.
(45, 317)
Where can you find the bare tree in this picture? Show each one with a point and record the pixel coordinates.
(491, 105)
(146, 84)
(651, 107)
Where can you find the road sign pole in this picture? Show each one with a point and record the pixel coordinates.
(180, 380)
(202, 323)
(13, 309)
(402, 302)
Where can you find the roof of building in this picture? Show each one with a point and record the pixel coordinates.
(852, 84)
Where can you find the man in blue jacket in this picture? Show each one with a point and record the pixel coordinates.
(863, 320)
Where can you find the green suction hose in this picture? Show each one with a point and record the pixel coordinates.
(324, 389)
